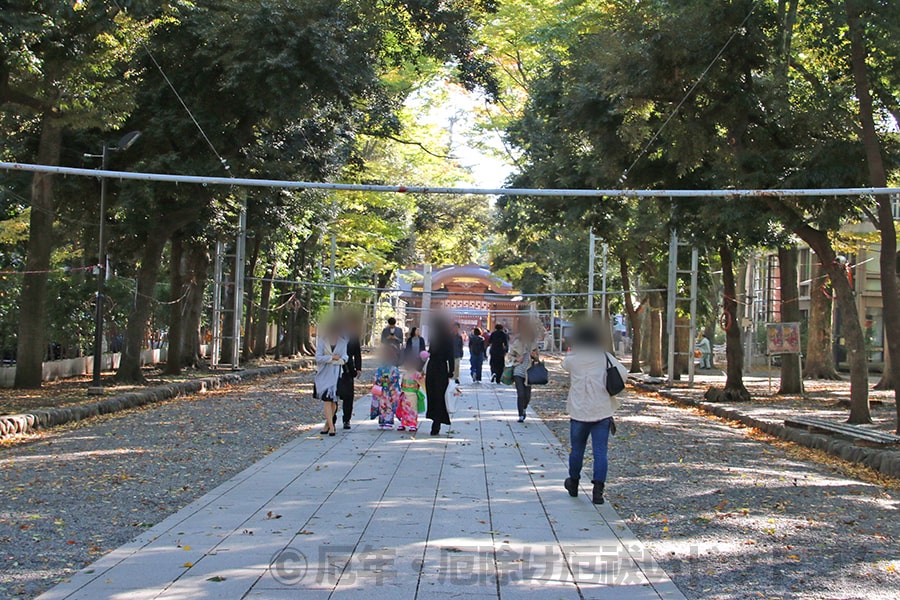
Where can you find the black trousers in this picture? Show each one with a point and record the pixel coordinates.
(498, 363)
(347, 398)
(523, 394)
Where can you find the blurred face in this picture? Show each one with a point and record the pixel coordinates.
(387, 354)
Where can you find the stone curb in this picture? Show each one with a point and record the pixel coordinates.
(42, 419)
(881, 460)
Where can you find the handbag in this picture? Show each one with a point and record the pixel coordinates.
(614, 381)
(537, 374)
(450, 397)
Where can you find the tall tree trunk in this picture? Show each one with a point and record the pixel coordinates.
(260, 345)
(734, 348)
(656, 330)
(32, 337)
(683, 347)
(788, 257)
(890, 291)
(304, 325)
(819, 341)
(850, 325)
(177, 308)
(633, 317)
(227, 344)
(198, 269)
(151, 257)
(250, 298)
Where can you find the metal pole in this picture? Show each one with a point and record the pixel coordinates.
(603, 283)
(96, 381)
(753, 194)
(425, 317)
(592, 260)
(239, 259)
(695, 267)
(375, 315)
(216, 324)
(333, 253)
(672, 302)
(552, 321)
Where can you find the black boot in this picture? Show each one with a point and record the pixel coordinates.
(598, 492)
(571, 486)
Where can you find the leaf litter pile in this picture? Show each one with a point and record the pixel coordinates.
(73, 493)
(729, 512)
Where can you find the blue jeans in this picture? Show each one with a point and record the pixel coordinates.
(477, 362)
(599, 434)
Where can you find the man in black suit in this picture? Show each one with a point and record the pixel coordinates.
(352, 369)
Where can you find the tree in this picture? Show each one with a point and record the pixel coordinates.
(66, 65)
(884, 217)
(819, 342)
(788, 259)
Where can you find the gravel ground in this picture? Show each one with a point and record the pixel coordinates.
(74, 390)
(79, 491)
(731, 513)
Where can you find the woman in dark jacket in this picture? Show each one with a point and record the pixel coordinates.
(477, 352)
(499, 342)
(415, 345)
(438, 375)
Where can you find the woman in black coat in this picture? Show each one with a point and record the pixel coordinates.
(438, 375)
(499, 343)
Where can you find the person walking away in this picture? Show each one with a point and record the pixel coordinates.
(590, 408)
(477, 353)
(351, 371)
(499, 345)
(410, 387)
(415, 346)
(331, 354)
(458, 351)
(438, 374)
(393, 335)
(523, 353)
(705, 348)
(386, 389)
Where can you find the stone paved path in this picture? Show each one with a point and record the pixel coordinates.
(478, 512)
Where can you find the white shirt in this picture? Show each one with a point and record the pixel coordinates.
(588, 399)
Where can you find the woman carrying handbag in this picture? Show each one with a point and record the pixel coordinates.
(523, 353)
(595, 379)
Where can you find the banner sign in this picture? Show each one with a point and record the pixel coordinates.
(783, 338)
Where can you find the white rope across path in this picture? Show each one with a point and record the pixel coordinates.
(412, 189)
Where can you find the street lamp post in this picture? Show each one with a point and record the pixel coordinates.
(127, 140)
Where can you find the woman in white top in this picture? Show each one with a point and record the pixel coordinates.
(331, 354)
(522, 354)
(590, 407)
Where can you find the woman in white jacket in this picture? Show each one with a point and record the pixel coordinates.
(590, 407)
(331, 354)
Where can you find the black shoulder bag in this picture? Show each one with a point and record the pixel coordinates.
(614, 381)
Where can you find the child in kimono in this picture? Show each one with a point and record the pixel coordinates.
(410, 388)
(386, 392)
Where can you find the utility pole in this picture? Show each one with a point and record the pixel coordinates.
(603, 282)
(592, 260)
(424, 316)
(101, 271)
(333, 254)
(672, 303)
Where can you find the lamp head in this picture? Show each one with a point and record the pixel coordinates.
(128, 140)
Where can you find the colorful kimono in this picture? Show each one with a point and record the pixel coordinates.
(386, 395)
(408, 409)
